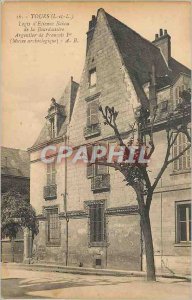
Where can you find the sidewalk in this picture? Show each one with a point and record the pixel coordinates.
(91, 271)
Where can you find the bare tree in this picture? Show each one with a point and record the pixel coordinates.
(136, 174)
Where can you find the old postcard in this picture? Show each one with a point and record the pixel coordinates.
(95, 156)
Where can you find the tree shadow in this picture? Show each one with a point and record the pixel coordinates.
(18, 288)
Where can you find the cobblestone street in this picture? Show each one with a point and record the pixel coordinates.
(26, 284)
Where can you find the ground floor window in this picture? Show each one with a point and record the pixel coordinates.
(183, 211)
(97, 222)
(53, 226)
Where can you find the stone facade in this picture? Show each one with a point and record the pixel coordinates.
(122, 246)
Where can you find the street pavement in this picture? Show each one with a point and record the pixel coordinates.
(26, 284)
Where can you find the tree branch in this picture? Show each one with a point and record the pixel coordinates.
(165, 164)
(180, 154)
(110, 116)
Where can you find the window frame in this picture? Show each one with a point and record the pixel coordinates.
(55, 230)
(51, 172)
(178, 89)
(182, 164)
(178, 240)
(92, 112)
(95, 167)
(91, 72)
(95, 224)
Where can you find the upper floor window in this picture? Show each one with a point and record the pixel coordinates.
(178, 90)
(53, 226)
(183, 162)
(93, 113)
(183, 230)
(92, 78)
(52, 122)
(51, 174)
(96, 170)
(163, 106)
(100, 177)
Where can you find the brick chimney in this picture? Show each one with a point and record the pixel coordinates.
(152, 92)
(163, 41)
(90, 32)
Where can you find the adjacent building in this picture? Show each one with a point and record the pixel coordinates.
(15, 169)
(87, 215)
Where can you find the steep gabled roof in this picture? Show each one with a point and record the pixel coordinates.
(177, 68)
(139, 55)
(15, 162)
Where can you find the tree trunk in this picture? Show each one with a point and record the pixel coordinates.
(146, 229)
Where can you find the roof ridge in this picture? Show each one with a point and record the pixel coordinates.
(136, 33)
(178, 62)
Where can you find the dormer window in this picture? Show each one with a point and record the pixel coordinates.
(92, 78)
(56, 117)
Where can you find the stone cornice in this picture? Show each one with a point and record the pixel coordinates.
(124, 210)
(42, 145)
(172, 188)
(92, 97)
(74, 214)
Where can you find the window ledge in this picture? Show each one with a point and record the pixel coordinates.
(51, 245)
(180, 172)
(187, 244)
(98, 244)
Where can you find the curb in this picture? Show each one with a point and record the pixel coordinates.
(91, 271)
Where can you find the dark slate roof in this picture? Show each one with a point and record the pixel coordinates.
(177, 68)
(15, 162)
(139, 55)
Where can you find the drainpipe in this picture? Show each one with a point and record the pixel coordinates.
(65, 208)
(161, 229)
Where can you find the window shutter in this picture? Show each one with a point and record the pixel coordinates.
(101, 169)
(94, 111)
(48, 174)
(92, 222)
(90, 170)
(180, 144)
(89, 114)
(53, 173)
(97, 220)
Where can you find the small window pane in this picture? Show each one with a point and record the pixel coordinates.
(182, 213)
(53, 226)
(51, 174)
(93, 113)
(101, 169)
(92, 78)
(183, 231)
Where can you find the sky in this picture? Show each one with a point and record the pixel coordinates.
(32, 75)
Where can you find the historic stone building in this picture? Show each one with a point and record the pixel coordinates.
(87, 215)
